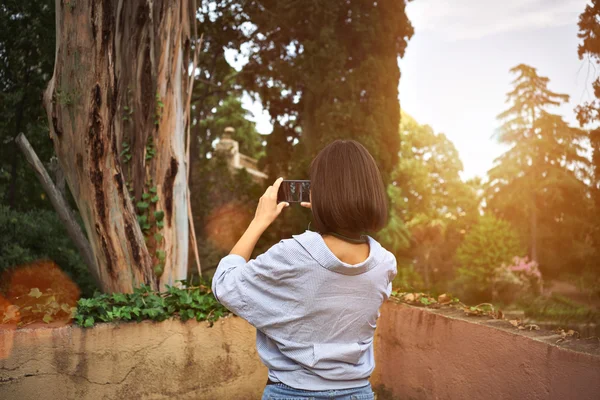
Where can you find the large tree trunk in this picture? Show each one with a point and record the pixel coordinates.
(116, 106)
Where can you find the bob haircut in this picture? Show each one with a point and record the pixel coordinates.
(347, 192)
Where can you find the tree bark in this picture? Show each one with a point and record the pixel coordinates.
(116, 107)
(533, 213)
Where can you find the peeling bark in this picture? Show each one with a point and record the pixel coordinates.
(121, 77)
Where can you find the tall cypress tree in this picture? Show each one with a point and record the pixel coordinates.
(327, 70)
(540, 178)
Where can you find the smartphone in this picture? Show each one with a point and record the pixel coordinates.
(294, 191)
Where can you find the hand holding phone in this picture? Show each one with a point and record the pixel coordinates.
(294, 191)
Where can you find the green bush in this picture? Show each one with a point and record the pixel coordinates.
(489, 244)
(26, 237)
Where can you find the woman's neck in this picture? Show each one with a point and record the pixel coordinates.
(349, 253)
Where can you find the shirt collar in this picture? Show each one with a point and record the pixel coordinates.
(314, 244)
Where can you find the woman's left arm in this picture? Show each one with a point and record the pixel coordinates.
(266, 212)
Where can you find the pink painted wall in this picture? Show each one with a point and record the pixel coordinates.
(424, 355)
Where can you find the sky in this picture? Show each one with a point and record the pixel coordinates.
(455, 73)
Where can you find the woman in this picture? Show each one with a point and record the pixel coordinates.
(314, 298)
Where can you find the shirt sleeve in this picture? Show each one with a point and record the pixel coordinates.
(256, 290)
(391, 275)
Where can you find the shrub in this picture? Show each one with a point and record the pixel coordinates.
(489, 244)
(26, 237)
(513, 281)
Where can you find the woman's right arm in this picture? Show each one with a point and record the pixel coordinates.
(254, 290)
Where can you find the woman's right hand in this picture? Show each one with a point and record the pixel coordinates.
(306, 204)
(268, 209)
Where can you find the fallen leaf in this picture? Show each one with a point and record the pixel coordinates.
(11, 314)
(444, 299)
(514, 322)
(409, 297)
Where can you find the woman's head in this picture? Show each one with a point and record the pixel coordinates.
(347, 192)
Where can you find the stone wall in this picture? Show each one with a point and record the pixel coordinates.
(420, 354)
(440, 354)
(165, 360)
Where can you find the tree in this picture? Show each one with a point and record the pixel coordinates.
(216, 92)
(429, 201)
(326, 71)
(544, 170)
(26, 61)
(117, 106)
(589, 112)
(488, 244)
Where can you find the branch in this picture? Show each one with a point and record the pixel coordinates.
(187, 151)
(60, 205)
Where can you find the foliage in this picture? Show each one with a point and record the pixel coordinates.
(589, 47)
(589, 113)
(430, 205)
(517, 279)
(145, 304)
(26, 62)
(489, 244)
(326, 71)
(588, 282)
(216, 94)
(539, 183)
(407, 279)
(38, 234)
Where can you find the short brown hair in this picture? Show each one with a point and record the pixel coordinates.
(347, 192)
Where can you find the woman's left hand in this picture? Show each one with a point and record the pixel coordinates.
(268, 209)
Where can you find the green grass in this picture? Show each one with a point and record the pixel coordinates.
(559, 308)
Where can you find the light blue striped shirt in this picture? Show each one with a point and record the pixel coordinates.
(315, 315)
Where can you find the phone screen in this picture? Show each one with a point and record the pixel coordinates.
(294, 191)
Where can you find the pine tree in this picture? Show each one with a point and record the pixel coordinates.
(540, 178)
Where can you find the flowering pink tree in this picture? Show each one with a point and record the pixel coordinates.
(520, 277)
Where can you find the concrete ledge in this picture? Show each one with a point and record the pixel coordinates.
(439, 354)
(420, 354)
(148, 360)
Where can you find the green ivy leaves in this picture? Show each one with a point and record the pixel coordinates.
(145, 304)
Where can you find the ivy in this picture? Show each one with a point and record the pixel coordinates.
(158, 111)
(127, 113)
(195, 302)
(126, 152)
(150, 148)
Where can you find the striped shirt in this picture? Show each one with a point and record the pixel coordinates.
(315, 315)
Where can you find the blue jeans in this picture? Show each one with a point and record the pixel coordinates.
(279, 391)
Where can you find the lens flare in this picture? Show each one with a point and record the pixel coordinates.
(36, 293)
(226, 224)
